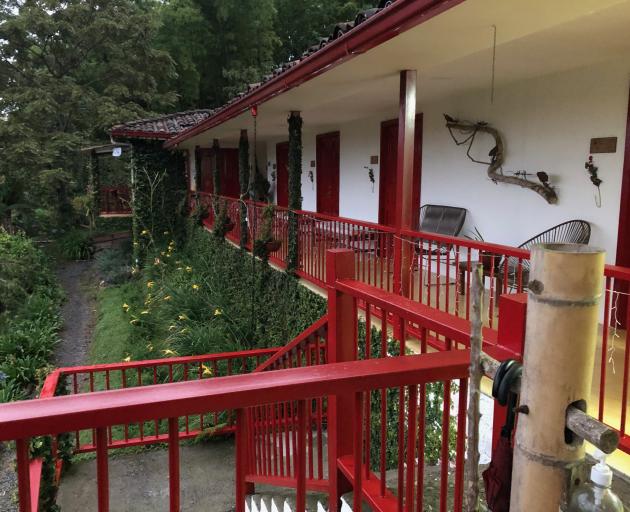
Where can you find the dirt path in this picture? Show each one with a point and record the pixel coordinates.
(79, 281)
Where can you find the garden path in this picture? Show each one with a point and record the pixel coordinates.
(79, 280)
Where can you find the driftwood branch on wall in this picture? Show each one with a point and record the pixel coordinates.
(497, 156)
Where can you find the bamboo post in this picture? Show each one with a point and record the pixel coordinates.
(561, 334)
(471, 489)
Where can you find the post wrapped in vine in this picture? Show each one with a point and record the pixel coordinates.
(243, 178)
(93, 189)
(216, 175)
(295, 187)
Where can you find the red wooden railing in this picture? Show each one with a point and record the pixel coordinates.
(115, 200)
(438, 276)
(100, 411)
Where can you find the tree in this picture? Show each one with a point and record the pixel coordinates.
(69, 71)
(241, 49)
(185, 34)
(301, 24)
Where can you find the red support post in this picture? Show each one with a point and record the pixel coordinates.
(404, 178)
(342, 346)
(243, 488)
(23, 474)
(102, 470)
(173, 464)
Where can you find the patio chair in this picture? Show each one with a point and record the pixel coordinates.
(444, 220)
(569, 232)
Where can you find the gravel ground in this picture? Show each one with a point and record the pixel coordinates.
(78, 311)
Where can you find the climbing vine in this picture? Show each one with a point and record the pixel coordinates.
(158, 196)
(243, 178)
(295, 187)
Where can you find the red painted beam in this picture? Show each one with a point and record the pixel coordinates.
(399, 17)
(20, 420)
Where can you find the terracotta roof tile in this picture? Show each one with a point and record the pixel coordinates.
(163, 127)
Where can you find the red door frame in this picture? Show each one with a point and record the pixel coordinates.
(623, 233)
(327, 174)
(282, 174)
(229, 172)
(205, 168)
(387, 208)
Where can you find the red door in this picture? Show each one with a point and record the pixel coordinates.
(207, 185)
(387, 182)
(229, 173)
(282, 174)
(327, 157)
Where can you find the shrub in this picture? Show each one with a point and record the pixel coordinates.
(76, 245)
(114, 265)
(23, 269)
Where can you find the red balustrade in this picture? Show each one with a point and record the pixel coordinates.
(438, 276)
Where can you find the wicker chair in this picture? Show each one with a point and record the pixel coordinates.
(570, 232)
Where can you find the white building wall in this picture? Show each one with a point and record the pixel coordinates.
(547, 124)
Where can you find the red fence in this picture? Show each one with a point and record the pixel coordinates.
(115, 200)
(438, 275)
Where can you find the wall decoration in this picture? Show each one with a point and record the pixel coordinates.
(604, 145)
(592, 169)
(311, 178)
(497, 157)
(370, 176)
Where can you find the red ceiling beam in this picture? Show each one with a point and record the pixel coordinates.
(391, 21)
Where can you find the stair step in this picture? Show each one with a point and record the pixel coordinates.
(284, 503)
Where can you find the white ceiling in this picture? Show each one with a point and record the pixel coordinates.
(452, 53)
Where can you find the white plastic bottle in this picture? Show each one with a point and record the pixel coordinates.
(596, 495)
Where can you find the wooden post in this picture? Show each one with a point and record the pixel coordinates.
(561, 335)
(471, 490)
(342, 334)
(404, 178)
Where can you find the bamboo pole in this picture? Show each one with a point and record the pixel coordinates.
(562, 319)
(471, 489)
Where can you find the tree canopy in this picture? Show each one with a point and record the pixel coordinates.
(70, 69)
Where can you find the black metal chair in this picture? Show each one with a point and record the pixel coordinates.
(569, 232)
(444, 220)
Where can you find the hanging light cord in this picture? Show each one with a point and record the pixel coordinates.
(494, 62)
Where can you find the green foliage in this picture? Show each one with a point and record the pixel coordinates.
(206, 297)
(114, 265)
(29, 321)
(159, 190)
(434, 406)
(75, 245)
(23, 270)
(68, 72)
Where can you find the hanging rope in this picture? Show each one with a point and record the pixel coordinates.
(494, 62)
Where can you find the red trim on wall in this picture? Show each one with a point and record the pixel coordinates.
(391, 21)
(623, 233)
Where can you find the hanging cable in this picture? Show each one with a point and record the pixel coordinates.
(494, 62)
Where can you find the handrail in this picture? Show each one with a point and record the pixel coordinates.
(146, 363)
(22, 420)
(347, 220)
(317, 328)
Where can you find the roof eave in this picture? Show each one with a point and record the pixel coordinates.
(391, 21)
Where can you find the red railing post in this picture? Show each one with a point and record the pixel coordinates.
(342, 346)
(511, 338)
(243, 488)
(24, 484)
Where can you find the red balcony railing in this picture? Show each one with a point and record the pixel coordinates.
(438, 276)
(115, 200)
